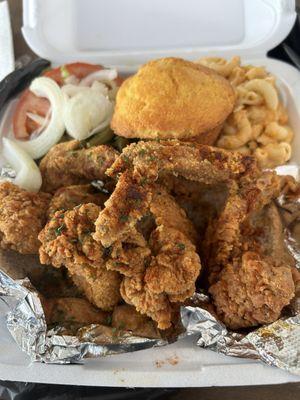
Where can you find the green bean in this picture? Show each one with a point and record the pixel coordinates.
(120, 143)
(102, 137)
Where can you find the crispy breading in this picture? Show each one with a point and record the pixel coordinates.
(126, 318)
(69, 163)
(69, 197)
(250, 270)
(152, 243)
(22, 216)
(60, 310)
(67, 241)
(193, 161)
(172, 98)
(229, 250)
(252, 291)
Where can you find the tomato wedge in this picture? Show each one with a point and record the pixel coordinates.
(23, 126)
(80, 70)
(28, 103)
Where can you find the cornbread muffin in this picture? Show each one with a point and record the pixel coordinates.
(173, 98)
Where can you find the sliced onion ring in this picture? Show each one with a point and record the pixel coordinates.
(28, 175)
(102, 75)
(46, 87)
(86, 113)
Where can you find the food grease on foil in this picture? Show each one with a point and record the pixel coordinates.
(277, 344)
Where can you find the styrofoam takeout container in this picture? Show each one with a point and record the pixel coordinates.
(125, 34)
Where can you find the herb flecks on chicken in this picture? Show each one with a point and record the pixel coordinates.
(67, 241)
(22, 216)
(152, 244)
(70, 163)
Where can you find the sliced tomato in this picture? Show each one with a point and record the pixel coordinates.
(24, 126)
(79, 69)
(28, 103)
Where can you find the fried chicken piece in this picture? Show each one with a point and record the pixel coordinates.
(69, 197)
(152, 243)
(67, 241)
(192, 161)
(230, 250)
(125, 317)
(22, 217)
(252, 291)
(69, 163)
(59, 310)
(251, 271)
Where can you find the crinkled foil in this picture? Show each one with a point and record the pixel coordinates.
(26, 323)
(7, 173)
(277, 344)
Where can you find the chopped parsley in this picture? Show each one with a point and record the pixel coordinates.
(108, 320)
(59, 230)
(142, 152)
(181, 246)
(123, 218)
(126, 159)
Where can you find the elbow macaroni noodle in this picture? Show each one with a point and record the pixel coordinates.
(258, 124)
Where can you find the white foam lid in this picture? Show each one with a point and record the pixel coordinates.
(126, 33)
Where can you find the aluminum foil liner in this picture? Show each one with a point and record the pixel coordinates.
(7, 173)
(26, 323)
(277, 344)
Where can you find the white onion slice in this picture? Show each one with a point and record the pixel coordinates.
(43, 126)
(103, 124)
(102, 75)
(37, 147)
(36, 118)
(71, 79)
(85, 112)
(71, 90)
(28, 175)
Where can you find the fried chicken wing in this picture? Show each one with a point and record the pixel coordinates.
(69, 163)
(69, 197)
(152, 244)
(67, 241)
(22, 217)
